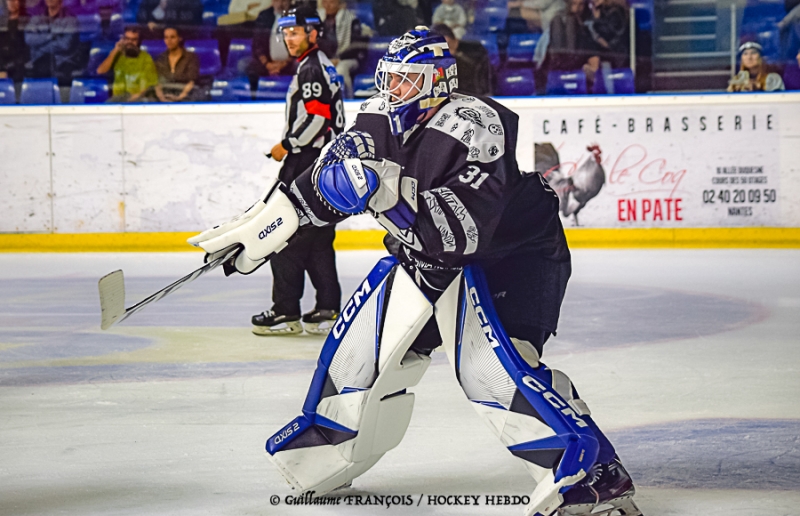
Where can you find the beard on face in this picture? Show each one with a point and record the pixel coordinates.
(131, 51)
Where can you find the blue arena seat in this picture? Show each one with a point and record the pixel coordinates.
(238, 49)
(273, 88)
(89, 26)
(566, 83)
(7, 95)
(489, 42)
(154, 47)
(97, 54)
(644, 14)
(364, 85)
(491, 18)
(89, 91)
(40, 91)
(619, 82)
(521, 47)
(376, 48)
(364, 13)
(231, 90)
(515, 83)
(207, 51)
(791, 77)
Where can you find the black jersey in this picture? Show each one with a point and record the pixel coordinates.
(314, 108)
(475, 205)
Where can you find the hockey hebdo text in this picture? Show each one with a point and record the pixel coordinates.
(402, 500)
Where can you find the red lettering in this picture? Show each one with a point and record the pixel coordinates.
(657, 215)
(678, 209)
(620, 171)
(631, 209)
(669, 208)
(647, 205)
(619, 210)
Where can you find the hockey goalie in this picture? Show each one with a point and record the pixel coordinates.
(479, 266)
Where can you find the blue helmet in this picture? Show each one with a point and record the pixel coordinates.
(421, 59)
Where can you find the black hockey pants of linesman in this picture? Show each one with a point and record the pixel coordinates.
(311, 250)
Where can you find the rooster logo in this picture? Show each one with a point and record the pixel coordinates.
(579, 187)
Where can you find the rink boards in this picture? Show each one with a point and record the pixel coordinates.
(679, 170)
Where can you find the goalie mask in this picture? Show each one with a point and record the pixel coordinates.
(416, 74)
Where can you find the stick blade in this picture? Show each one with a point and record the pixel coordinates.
(112, 298)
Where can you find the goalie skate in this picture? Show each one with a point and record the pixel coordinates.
(606, 491)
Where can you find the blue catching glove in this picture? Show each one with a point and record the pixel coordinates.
(347, 185)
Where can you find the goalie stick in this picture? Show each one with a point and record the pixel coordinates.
(112, 289)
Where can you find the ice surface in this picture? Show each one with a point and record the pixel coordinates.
(689, 360)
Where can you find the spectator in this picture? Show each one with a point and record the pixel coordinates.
(134, 70)
(178, 70)
(472, 61)
(270, 57)
(789, 29)
(342, 40)
(453, 15)
(160, 13)
(54, 43)
(609, 29)
(570, 44)
(395, 17)
(536, 14)
(791, 75)
(242, 11)
(754, 74)
(13, 51)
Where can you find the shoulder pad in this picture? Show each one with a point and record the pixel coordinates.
(375, 105)
(475, 124)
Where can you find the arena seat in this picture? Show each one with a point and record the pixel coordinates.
(515, 83)
(491, 18)
(273, 88)
(154, 47)
(97, 54)
(207, 51)
(489, 42)
(376, 48)
(231, 90)
(238, 49)
(619, 81)
(89, 91)
(521, 47)
(363, 12)
(791, 77)
(89, 26)
(364, 86)
(7, 95)
(40, 91)
(566, 83)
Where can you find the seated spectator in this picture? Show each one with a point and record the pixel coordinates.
(536, 14)
(161, 13)
(270, 57)
(609, 27)
(13, 51)
(570, 44)
(178, 70)
(453, 15)
(134, 70)
(342, 40)
(395, 17)
(754, 74)
(791, 75)
(789, 29)
(472, 60)
(242, 11)
(54, 43)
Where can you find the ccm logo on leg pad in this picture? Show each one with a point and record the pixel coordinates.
(554, 400)
(270, 228)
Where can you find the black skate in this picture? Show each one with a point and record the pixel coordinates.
(320, 322)
(270, 323)
(607, 490)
